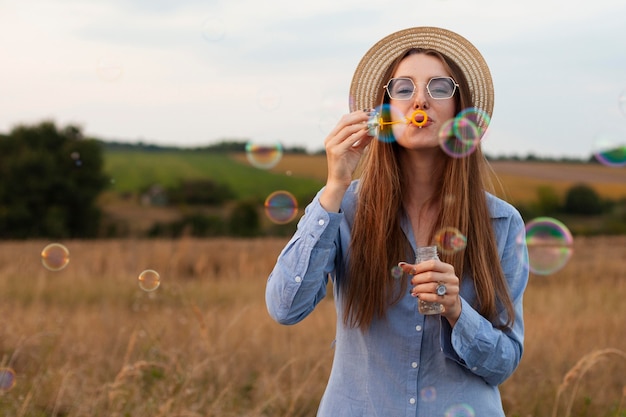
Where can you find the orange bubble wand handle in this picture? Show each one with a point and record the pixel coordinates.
(377, 121)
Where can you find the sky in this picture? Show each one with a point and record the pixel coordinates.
(196, 72)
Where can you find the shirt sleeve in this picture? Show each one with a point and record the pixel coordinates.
(474, 342)
(298, 281)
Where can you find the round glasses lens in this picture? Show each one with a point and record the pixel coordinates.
(441, 87)
(400, 88)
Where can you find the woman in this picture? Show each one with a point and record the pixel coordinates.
(391, 360)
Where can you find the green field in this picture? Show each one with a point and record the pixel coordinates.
(135, 171)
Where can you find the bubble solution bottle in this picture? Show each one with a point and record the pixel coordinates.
(426, 253)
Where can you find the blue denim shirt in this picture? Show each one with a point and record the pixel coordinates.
(406, 364)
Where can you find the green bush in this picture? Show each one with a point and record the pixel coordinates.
(581, 199)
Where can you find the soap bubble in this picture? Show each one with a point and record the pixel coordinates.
(268, 98)
(7, 379)
(460, 410)
(264, 155)
(609, 148)
(478, 117)
(213, 29)
(621, 102)
(380, 126)
(550, 245)
(55, 257)
(428, 394)
(109, 71)
(458, 138)
(396, 272)
(450, 240)
(149, 280)
(281, 207)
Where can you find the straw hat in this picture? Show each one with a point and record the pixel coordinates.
(367, 78)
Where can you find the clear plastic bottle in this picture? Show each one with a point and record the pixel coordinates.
(426, 253)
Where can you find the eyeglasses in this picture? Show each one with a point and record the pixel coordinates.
(438, 88)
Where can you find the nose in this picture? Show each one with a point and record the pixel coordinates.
(420, 97)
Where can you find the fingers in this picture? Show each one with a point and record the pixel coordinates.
(427, 280)
(345, 146)
(407, 268)
(350, 130)
(426, 276)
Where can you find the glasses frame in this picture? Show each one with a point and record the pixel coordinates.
(454, 83)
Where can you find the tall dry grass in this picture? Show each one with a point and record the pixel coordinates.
(87, 341)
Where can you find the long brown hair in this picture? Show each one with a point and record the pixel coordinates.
(378, 243)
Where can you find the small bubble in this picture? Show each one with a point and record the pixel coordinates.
(621, 102)
(460, 410)
(281, 207)
(109, 71)
(264, 155)
(396, 272)
(428, 394)
(213, 29)
(55, 257)
(268, 98)
(7, 379)
(450, 240)
(149, 280)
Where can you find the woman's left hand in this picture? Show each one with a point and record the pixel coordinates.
(427, 276)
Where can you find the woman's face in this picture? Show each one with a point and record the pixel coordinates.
(410, 129)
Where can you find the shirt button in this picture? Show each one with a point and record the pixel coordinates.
(418, 328)
(320, 222)
(474, 368)
(412, 400)
(298, 278)
(414, 364)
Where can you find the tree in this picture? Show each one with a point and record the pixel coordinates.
(582, 199)
(51, 178)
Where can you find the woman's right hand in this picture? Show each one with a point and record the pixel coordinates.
(344, 145)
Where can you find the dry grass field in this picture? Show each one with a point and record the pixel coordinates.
(87, 341)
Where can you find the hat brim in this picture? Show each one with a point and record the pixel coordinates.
(367, 78)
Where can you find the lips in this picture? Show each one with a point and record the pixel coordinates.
(419, 118)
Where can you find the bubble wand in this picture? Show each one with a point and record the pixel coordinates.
(376, 122)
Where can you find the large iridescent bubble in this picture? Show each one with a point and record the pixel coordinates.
(550, 245)
(609, 148)
(461, 135)
(379, 124)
